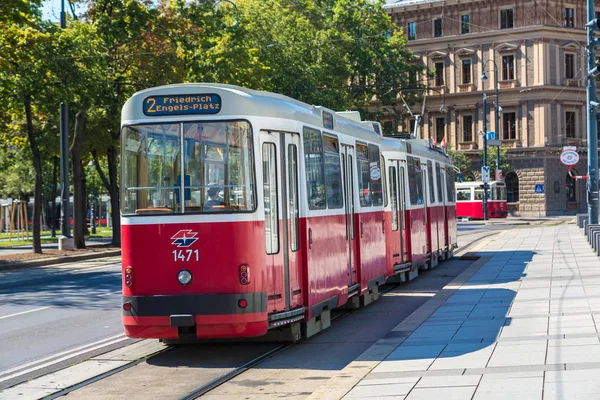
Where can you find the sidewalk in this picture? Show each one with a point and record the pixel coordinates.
(18, 257)
(519, 323)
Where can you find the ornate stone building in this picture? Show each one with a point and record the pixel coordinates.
(536, 48)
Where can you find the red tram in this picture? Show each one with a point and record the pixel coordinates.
(469, 200)
(285, 211)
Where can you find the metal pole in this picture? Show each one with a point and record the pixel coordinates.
(63, 15)
(64, 170)
(93, 216)
(64, 151)
(497, 118)
(485, 185)
(592, 134)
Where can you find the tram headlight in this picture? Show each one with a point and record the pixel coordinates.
(184, 277)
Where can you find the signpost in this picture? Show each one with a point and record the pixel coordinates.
(485, 174)
(539, 189)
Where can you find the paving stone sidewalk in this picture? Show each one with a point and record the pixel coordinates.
(522, 326)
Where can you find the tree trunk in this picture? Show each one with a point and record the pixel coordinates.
(37, 166)
(54, 193)
(79, 202)
(113, 154)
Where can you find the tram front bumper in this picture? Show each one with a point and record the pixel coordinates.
(212, 315)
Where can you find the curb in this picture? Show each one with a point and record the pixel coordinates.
(42, 262)
(345, 380)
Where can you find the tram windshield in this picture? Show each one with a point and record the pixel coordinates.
(216, 158)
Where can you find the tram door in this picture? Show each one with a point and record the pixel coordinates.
(279, 157)
(398, 208)
(426, 209)
(349, 209)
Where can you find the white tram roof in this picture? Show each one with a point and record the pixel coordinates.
(417, 147)
(476, 184)
(237, 101)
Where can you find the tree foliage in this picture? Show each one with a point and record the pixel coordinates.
(340, 54)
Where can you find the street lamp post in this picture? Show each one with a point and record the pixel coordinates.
(92, 167)
(485, 185)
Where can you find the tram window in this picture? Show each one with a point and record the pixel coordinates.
(218, 168)
(293, 209)
(394, 197)
(450, 182)
(364, 175)
(385, 197)
(499, 193)
(479, 194)
(463, 194)
(438, 178)
(430, 181)
(333, 173)
(219, 163)
(375, 175)
(270, 198)
(403, 197)
(149, 169)
(315, 176)
(415, 181)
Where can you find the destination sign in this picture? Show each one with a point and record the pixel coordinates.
(188, 104)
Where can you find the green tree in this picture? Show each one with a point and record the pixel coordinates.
(463, 163)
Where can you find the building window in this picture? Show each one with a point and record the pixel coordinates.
(467, 128)
(506, 19)
(439, 74)
(512, 187)
(508, 68)
(440, 125)
(412, 31)
(437, 27)
(569, 17)
(597, 14)
(510, 126)
(466, 71)
(570, 124)
(571, 192)
(569, 66)
(465, 24)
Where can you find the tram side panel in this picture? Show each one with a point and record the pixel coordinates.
(157, 253)
(325, 265)
(372, 256)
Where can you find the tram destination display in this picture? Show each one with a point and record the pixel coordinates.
(189, 104)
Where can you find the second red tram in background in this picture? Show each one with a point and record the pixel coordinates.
(469, 200)
(246, 212)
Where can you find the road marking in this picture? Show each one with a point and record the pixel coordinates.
(67, 354)
(24, 312)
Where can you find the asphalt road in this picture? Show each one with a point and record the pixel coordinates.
(478, 226)
(56, 316)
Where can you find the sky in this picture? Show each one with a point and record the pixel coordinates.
(51, 9)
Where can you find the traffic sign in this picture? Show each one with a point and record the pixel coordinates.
(494, 143)
(485, 174)
(569, 157)
(539, 188)
(491, 136)
(498, 175)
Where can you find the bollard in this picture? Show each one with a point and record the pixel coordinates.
(580, 219)
(590, 231)
(596, 241)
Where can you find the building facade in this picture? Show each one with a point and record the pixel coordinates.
(533, 53)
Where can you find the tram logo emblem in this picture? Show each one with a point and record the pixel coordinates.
(184, 238)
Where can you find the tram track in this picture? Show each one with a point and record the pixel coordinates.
(244, 366)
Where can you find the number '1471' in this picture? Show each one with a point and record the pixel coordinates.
(185, 255)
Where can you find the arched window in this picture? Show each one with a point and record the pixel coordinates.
(571, 187)
(512, 187)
